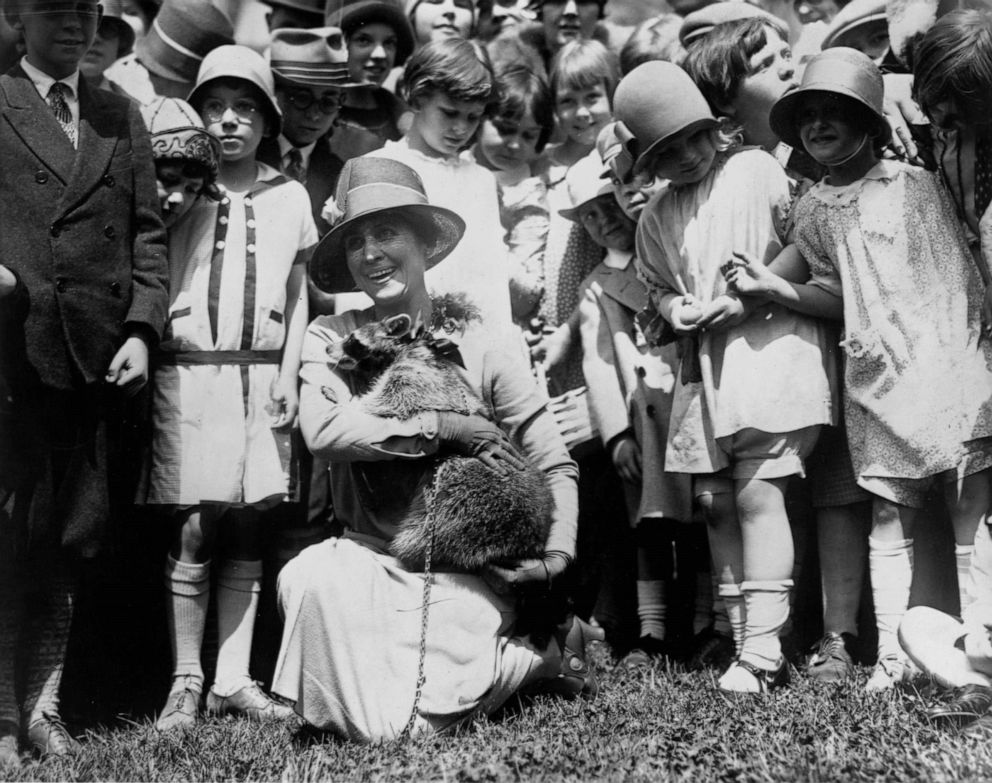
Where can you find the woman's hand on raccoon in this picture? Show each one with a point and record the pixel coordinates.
(474, 436)
(538, 572)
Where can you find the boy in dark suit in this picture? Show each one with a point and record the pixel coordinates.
(83, 294)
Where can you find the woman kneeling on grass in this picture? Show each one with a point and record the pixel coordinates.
(359, 655)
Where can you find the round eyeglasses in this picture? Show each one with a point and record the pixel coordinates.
(215, 109)
(328, 103)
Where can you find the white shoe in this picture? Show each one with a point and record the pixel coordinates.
(888, 672)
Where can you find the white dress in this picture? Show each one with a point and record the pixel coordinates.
(229, 264)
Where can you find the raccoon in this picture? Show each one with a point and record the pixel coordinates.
(478, 515)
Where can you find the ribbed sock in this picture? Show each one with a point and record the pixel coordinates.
(963, 554)
(238, 584)
(651, 607)
(188, 596)
(721, 623)
(891, 567)
(766, 614)
(48, 637)
(702, 615)
(733, 601)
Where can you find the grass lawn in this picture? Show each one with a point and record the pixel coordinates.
(657, 724)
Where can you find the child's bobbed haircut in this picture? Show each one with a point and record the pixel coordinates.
(457, 68)
(522, 91)
(953, 62)
(580, 65)
(655, 39)
(721, 61)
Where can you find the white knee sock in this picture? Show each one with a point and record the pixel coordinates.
(962, 559)
(238, 584)
(651, 608)
(767, 611)
(891, 567)
(733, 602)
(702, 616)
(188, 595)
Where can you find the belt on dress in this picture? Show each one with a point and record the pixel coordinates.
(241, 358)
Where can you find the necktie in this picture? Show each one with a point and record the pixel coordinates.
(56, 99)
(294, 165)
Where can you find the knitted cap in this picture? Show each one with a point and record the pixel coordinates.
(349, 15)
(177, 132)
(180, 36)
(313, 58)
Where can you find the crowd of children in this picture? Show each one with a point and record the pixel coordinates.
(745, 257)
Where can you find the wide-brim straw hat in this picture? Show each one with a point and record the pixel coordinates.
(836, 71)
(855, 14)
(369, 186)
(349, 15)
(656, 102)
(180, 36)
(584, 182)
(239, 62)
(315, 57)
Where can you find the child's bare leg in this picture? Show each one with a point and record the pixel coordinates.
(890, 562)
(968, 503)
(187, 584)
(768, 562)
(716, 501)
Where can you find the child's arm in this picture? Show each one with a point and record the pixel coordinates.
(285, 391)
(607, 401)
(779, 282)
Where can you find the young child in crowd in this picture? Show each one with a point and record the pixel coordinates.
(450, 86)
(227, 374)
(874, 235)
(83, 296)
(630, 392)
(753, 391)
(510, 143)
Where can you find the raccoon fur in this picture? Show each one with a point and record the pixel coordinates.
(479, 515)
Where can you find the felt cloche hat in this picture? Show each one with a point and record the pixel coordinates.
(855, 14)
(585, 182)
(838, 71)
(699, 23)
(181, 35)
(368, 186)
(177, 133)
(349, 15)
(656, 102)
(239, 62)
(113, 16)
(315, 57)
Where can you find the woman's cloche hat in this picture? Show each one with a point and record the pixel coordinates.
(656, 102)
(838, 71)
(239, 62)
(368, 186)
(349, 15)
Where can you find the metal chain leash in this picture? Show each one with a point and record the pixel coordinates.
(407, 732)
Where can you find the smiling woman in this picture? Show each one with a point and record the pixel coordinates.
(351, 648)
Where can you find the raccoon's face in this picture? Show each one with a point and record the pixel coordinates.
(371, 348)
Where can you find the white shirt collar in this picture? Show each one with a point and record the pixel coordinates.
(43, 82)
(285, 145)
(617, 259)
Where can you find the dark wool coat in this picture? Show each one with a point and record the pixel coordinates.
(81, 231)
(322, 174)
